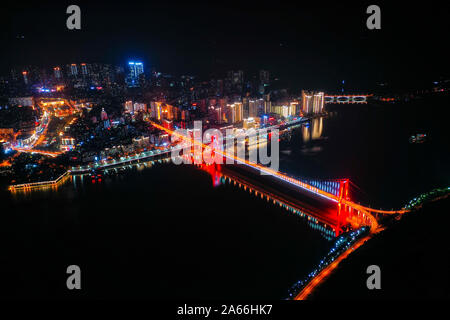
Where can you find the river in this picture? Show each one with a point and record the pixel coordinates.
(163, 231)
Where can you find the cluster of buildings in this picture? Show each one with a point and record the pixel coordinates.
(230, 99)
(78, 76)
(233, 109)
(312, 102)
(235, 100)
(89, 77)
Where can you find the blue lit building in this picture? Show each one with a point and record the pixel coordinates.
(135, 69)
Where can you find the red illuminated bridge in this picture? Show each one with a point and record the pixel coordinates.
(328, 201)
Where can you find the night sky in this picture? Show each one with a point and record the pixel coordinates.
(306, 45)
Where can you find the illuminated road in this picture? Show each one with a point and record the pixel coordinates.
(47, 153)
(323, 275)
(40, 137)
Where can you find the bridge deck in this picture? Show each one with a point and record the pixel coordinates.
(313, 205)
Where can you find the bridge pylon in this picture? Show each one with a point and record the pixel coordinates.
(342, 208)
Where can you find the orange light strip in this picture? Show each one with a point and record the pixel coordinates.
(41, 184)
(47, 153)
(324, 274)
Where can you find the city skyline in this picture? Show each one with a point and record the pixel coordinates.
(253, 36)
(224, 152)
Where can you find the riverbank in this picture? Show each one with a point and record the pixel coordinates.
(413, 253)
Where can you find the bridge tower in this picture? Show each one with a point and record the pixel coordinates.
(342, 212)
(214, 171)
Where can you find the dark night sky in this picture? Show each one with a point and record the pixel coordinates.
(313, 46)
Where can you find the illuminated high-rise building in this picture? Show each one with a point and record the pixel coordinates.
(312, 102)
(260, 106)
(267, 103)
(129, 106)
(57, 72)
(236, 77)
(167, 111)
(139, 107)
(218, 116)
(135, 107)
(239, 112)
(235, 81)
(318, 102)
(307, 102)
(84, 70)
(284, 110)
(73, 70)
(235, 112)
(135, 69)
(184, 115)
(253, 108)
(67, 144)
(223, 103)
(25, 77)
(245, 104)
(153, 109)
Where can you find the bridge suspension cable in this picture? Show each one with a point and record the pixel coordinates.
(286, 178)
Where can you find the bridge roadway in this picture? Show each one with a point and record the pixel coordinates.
(365, 210)
(320, 208)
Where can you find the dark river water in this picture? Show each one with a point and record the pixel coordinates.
(166, 232)
(161, 232)
(369, 144)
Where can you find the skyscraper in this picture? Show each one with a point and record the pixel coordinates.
(25, 77)
(84, 70)
(236, 77)
(235, 112)
(246, 105)
(73, 70)
(307, 102)
(253, 108)
(286, 110)
(236, 80)
(129, 106)
(267, 103)
(135, 70)
(318, 102)
(312, 102)
(57, 72)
